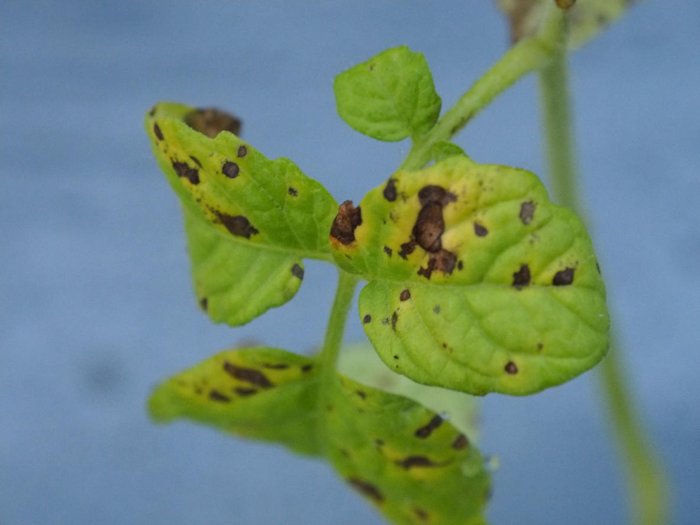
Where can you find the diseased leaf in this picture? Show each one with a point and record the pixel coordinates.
(249, 220)
(476, 281)
(410, 463)
(389, 97)
(586, 17)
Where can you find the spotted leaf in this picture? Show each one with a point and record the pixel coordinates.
(412, 464)
(389, 97)
(476, 281)
(249, 220)
(586, 17)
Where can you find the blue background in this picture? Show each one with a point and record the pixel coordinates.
(95, 301)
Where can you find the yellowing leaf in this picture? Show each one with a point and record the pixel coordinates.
(586, 17)
(409, 462)
(476, 281)
(249, 220)
(389, 97)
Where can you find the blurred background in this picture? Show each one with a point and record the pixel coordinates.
(95, 298)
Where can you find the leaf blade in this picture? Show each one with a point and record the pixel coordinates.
(389, 97)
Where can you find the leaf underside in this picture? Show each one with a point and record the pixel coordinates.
(410, 463)
(249, 220)
(389, 97)
(587, 18)
(476, 282)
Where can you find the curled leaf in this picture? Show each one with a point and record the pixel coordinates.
(413, 465)
(249, 220)
(477, 282)
(389, 97)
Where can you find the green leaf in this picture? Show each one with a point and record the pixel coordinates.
(389, 97)
(476, 281)
(249, 220)
(586, 17)
(444, 149)
(408, 461)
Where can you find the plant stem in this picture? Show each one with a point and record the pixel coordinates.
(525, 57)
(334, 331)
(646, 483)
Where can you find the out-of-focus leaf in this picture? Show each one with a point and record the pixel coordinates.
(477, 282)
(586, 17)
(249, 220)
(410, 463)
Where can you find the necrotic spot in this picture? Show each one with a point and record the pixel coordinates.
(405, 295)
(366, 489)
(394, 319)
(157, 132)
(522, 276)
(186, 171)
(242, 152)
(563, 277)
(511, 368)
(415, 461)
(461, 442)
(425, 431)
(292, 191)
(212, 121)
(196, 160)
(204, 303)
(237, 225)
(480, 230)
(367, 319)
(527, 212)
(388, 251)
(348, 218)
(215, 395)
(390, 190)
(249, 375)
(244, 392)
(230, 169)
(298, 271)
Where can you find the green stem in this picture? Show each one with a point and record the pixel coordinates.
(525, 57)
(334, 331)
(646, 482)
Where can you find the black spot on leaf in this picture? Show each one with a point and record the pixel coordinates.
(405, 295)
(461, 442)
(425, 431)
(511, 368)
(298, 271)
(307, 368)
(366, 489)
(563, 277)
(212, 121)
(390, 190)
(367, 319)
(292, 191)
(348, 218)
(215, 395)
(416, 461)
(186, 171)
(238, 225)
(521, 278)
(527, 212)
(230, 169)
(480, 230)
(204, 303)
(249, 375)
(407, 248)
(388, 251)
(196, 160)
(157, 132)
(242, 152)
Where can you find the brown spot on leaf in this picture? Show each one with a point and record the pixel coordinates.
(367, 319)
(521, 278)
(307, 368)
(407, 249)
(405, 295)
(425, 431)
(212, 121)
(238, 225)
(298, 271)
(388, 251)
(230, 169)
(511, 368)
(563, 277)
(394, 319)
(185, 170)
(480, 230)
(361, 393)
(242, 152)
(390, 190)
(292, 191)
(444, 261)
(249, 375)
(204, 303)
(157, 131)
(416, 461)
(527, 212)
(366, 489)
(215, 395)
(461, 442)
(348, 218)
